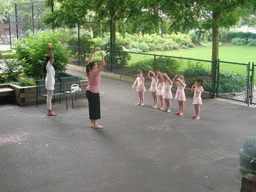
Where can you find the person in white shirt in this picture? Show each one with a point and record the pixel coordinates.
(49, 80)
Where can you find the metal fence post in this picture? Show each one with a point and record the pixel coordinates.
(154, 62)
(252, 83)
(10, 31)
(79, 52)
(215, 79)
(16, 17)
(248, 85)
(33, 20)
(111, 44)
(217, 76)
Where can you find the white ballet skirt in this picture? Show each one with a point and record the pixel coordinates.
(180, 93)
(50, 76)
(160, 88)
(167, 91)
(142, 87)
(153, 85)
(197, 99)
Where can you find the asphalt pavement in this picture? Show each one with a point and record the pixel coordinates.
(139, 149)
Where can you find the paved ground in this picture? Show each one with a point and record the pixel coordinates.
(140, 148)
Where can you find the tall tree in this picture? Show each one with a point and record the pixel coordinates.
(72, 11)
(185, 14)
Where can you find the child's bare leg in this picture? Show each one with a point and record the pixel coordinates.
(162, 102)
(169, 104)
(139, 99)
(142, 97)
(195, 111)
(155, 97)
(166, 103)
(181, 107)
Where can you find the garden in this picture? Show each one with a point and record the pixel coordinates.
(168, 53)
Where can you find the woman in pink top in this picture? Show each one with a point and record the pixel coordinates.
(93, 88)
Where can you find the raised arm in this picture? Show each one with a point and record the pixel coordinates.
(193, 87)
(102, 62)
(173, 80)
(90, 57)
(168, 78)
(149, 74)
(50, 52)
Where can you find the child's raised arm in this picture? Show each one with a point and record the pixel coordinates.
(173, 80)
(193, 87)
(149, 75)
(168, 78)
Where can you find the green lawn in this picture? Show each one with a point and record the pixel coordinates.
(238, 54)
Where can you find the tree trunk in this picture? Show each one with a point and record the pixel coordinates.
(215, 41)
(112, 25)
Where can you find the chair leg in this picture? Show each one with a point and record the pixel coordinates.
(66, 102)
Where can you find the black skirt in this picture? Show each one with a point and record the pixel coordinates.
(94, 105)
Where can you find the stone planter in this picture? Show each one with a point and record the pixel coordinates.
(25, 96)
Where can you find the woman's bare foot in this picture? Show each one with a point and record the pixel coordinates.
(52, 114)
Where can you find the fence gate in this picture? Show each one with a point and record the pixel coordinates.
(235, 81)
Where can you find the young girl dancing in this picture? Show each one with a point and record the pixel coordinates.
(197, 88)
(140, 87)
(180, 93)
(160, 89)
(167, 92)
(153, 87)
(49, 79)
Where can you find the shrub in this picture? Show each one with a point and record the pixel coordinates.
(85, 44)
(119, 56)
(195, 70)
(164, 64)
(238, 41)
(136, 50)
(228, 82)
(26, 81)
(252, 42)
(241, 35)
(11, 69)
(33, 50)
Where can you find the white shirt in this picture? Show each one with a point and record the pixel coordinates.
(50, 76)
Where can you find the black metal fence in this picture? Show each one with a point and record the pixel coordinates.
(231, 80)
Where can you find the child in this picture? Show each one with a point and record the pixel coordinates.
(197, 88)
(167, 93)
(180, 93)
(140, 87)
(160, 89)
(153, 87)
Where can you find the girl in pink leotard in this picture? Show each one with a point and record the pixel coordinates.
(153, 87)
(197, 88)
(140, 87)
(167, 92)
(160, 89)
(180, 93)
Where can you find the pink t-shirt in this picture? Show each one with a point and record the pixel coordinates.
(93, 81)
